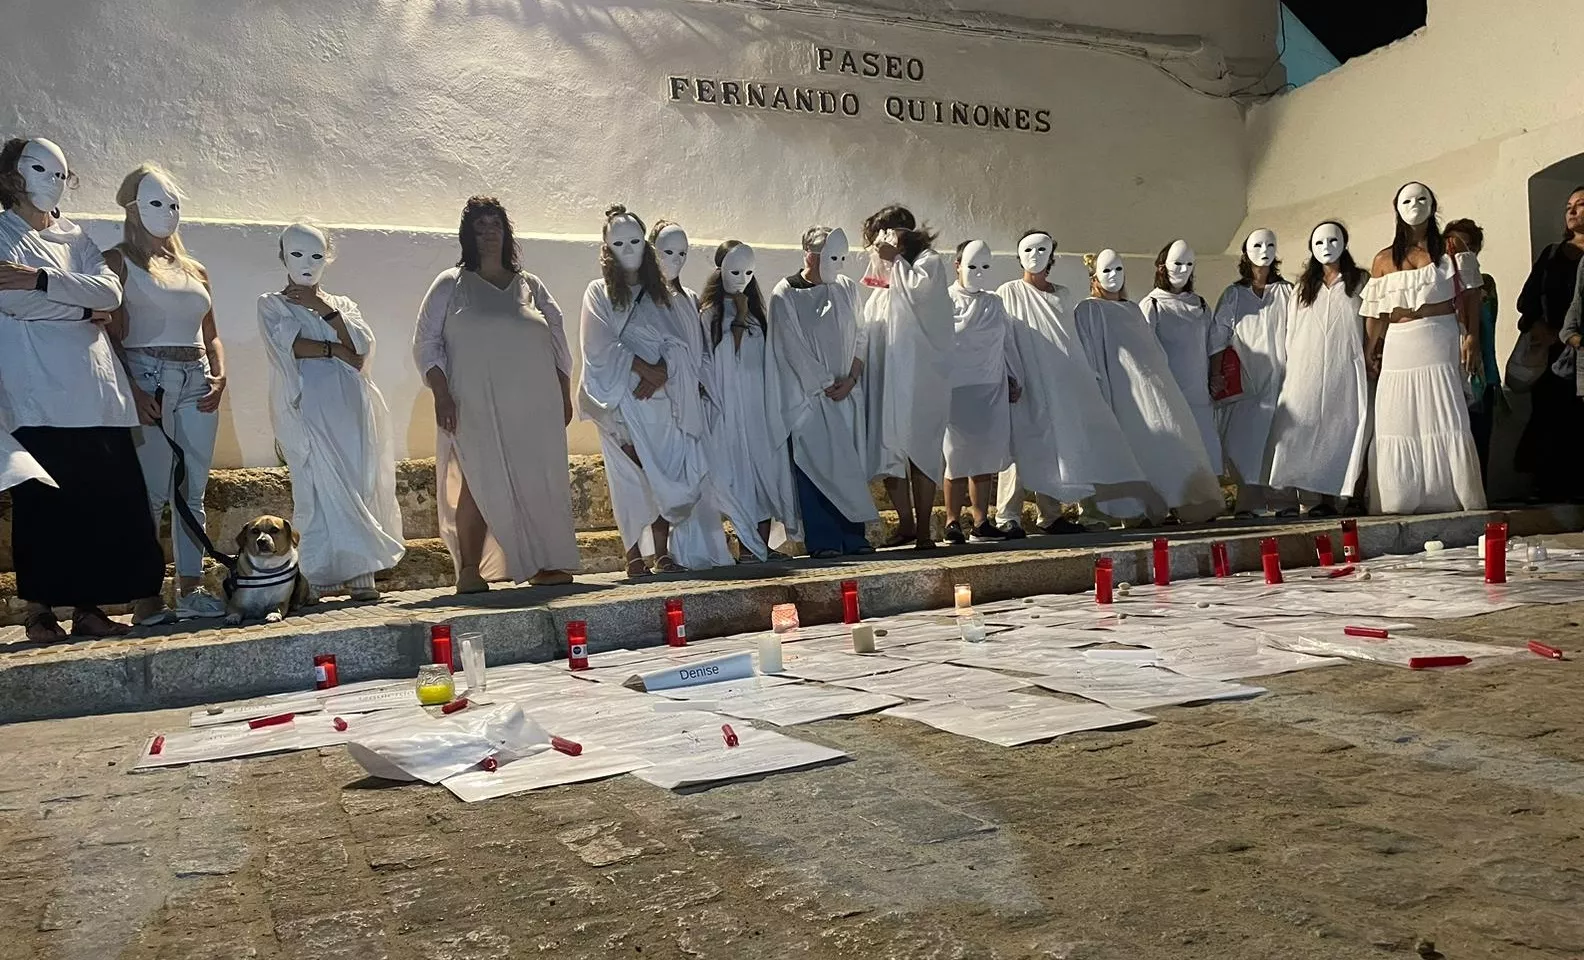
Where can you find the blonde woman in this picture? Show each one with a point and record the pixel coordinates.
(165, 330)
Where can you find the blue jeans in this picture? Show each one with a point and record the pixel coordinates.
(824, 526)
(184, 383)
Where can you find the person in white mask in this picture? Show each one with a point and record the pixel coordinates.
(1181, 321)
(820, 346)
(331, 424)
(168, 340)
(1066, 442)
(1156, 420)
(671, 247)
(491, 345)
(1421, 305)
(68, 405)
(750, 470)
(910, 342)
(1251, 319)
(643, 365)
(985, 377)
(1321, 430)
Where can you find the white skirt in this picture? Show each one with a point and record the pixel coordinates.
(1423, 459)
(978, 431)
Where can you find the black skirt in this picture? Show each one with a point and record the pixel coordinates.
(92, 541)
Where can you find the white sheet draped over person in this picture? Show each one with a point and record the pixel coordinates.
(642, 366)
(1154, 416)
(1251, 318)
(1182, 323)
(1321, 430)
(331, 424)
(749, 463)
(819, 345)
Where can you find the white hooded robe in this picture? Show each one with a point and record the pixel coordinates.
(1182, 324)
(1256, 327)
(910, 342)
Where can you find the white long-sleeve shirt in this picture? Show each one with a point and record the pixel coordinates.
(57, 367)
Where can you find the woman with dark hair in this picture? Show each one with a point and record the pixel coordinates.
(66, 401)
(1485, 383)
(1321, 432)
(1556, 410)
(643, 364)
(1421, 309)
(752, 471)
(1181, 321)
(1251, 319)
(491, 346)
(911, 329)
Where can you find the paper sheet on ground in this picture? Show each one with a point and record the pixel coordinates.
(1396, 650)
(305, 732)
(789, 704)
(1009, 719)
(757, 752)
(828, 665)
(937, 681)
(1128, 687)
(549, 769)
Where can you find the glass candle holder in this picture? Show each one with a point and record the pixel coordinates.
(963, 594)
(784, 617)
(972, 626)
(435, 684)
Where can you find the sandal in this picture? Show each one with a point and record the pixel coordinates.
(550, 578)
(665, 564)
(91, 622)
(42, 627)
(637, 569)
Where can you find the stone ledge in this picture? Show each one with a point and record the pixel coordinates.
(171, 668)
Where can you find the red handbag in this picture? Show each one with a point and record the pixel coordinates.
(1231, 377)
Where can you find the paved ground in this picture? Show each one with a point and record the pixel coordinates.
(1353, 812)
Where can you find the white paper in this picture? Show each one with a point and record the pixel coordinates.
(1396, 650)
(548, 769)
(1139, 688)
(794, 703)
(1009, 719)
(937, 681)
(238, 740)
(757, 752)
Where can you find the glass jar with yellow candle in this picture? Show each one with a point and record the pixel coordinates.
(435, 685)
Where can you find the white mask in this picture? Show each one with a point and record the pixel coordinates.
(737, 269)
(1109, 271)
(671, 247)
(626, 241)
(1414, 204)
(833, 256)
(43, 169)
(974, 271)
(1179, 264)
(1327, 244)
(305, 253)
(1035, 252)
(158, 206)
(1261, 248)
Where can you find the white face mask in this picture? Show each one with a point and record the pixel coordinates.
(1261, 248)
(1179, 264)
(305, 253)
(158, 206)
(1109, 271)
(833, 256)
(737, 269)
(974, 271)
(1327, 244)
(43, 169)
(671, 247)
(1035, 252)
(626, 241)
(1414, 204)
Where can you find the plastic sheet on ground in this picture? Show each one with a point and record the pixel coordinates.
(937, 681)
(449, 745)
(1009, 719)
(1129, 687)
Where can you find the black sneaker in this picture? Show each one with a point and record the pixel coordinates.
(986, 533)
(1012, 530)
(1062, 526)
(954, 533)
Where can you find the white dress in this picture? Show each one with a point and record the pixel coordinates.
(333, 428)
(816, 336)
(1321, 430)
(910, 342)
(1423, 459)
(1256, 327)
(1065, 439)
(1182, 324)
(1135, 378)
(751, 469)
(979, 427)
(667, 430)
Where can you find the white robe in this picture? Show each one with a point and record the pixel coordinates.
(333, 429)
(1256, 327)
(667, 431)
(1321, 431)
(750, 467)
(910, 342)
(1065, 439)
(979, 427)
(1182, 325)
(815, 337)
(1135, 378)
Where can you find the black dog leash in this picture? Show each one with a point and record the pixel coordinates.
(182, 510)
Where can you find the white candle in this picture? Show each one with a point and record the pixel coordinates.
(770, 654)
(964, 595)
(1482, 546)
(863, 637)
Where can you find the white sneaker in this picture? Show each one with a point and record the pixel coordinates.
(200, 604)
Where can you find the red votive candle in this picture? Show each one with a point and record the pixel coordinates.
(440, 645)
(849, 594)
(675, 623)
(577, 644)
(1103, 575)
(1219, 560)
(1162, 562)
(1350, 542)
(1270, 559)
(1495, 553)
(1323, 549)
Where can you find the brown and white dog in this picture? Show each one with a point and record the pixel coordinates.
(267, 584)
